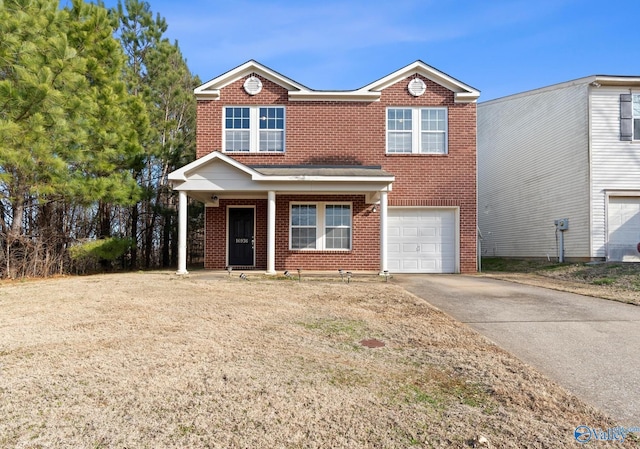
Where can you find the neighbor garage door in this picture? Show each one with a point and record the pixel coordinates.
(624, 228)
(421, 240)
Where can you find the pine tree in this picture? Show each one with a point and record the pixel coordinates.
(66, 134)
(158, 74)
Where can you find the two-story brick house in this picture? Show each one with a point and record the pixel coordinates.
(378, 178)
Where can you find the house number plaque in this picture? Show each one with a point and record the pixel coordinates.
(240, 240)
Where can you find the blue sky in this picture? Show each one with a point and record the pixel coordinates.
(497, 46)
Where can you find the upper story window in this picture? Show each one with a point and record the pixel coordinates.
(636, 116)
(254, 129)
(417, 130)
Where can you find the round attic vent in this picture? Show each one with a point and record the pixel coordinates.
(416, 87)
(253, 85)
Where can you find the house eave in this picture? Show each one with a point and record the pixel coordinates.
(350, 179)
(609, 80)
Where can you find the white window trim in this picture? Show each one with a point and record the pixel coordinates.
(634, 117)
(416, 129)
(254, 129)
(320, 225)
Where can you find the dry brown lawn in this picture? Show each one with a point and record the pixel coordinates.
(152, 360)
(618, 281)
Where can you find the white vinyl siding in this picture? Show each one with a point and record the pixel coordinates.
(615, 163)
(533, 168)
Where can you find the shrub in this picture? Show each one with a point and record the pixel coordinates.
(102, 251)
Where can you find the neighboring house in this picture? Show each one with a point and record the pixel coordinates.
(570, 150)
(378, 178)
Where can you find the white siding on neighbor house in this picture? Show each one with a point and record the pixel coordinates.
(615, 164)
(533, 168)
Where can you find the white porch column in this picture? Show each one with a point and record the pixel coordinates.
(383, 232)
(182, 233)
(271, 232)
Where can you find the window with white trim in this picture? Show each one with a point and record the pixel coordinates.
(417, 130)
(636, 116)
(254, 129)
(320, 226)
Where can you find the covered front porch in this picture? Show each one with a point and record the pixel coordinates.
(283, 217)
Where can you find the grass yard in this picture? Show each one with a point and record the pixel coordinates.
(152, 360)
(619, 281)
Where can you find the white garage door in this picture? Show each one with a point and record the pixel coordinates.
(624, 228)
(421, 240)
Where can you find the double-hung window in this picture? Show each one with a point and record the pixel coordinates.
(636, 116)
(417, 130)
(320, 226)
(254, 129)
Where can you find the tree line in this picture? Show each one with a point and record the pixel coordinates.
(96, 108)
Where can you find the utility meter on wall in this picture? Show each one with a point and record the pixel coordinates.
(562, 224)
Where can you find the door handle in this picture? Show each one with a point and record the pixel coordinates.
(253, 242)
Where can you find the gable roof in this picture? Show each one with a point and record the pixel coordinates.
(595, 81)
(211, 90)
(463, 92)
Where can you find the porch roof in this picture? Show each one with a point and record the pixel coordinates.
(341, 171)
(220, 174)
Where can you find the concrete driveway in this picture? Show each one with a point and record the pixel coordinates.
(590, 346)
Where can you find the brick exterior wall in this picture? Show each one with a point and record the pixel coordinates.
(349, 133)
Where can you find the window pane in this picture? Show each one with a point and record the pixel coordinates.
(399, 119)
(237, 118)
(337, 226)
(303, 230)
(237, 141)
(303, 238)
(303, 215)
(338, 238)
(399, 142)
(271, 118)
(433, 120)
(338, 215)
(433, 143)
(271, 141)
(636, 129)
(636, 106)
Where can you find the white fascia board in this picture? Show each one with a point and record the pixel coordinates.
(288, 186)
(211, 89)
(350, 179)
(465, 97)
(608, 80)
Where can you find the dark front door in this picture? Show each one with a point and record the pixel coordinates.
(241, 240)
